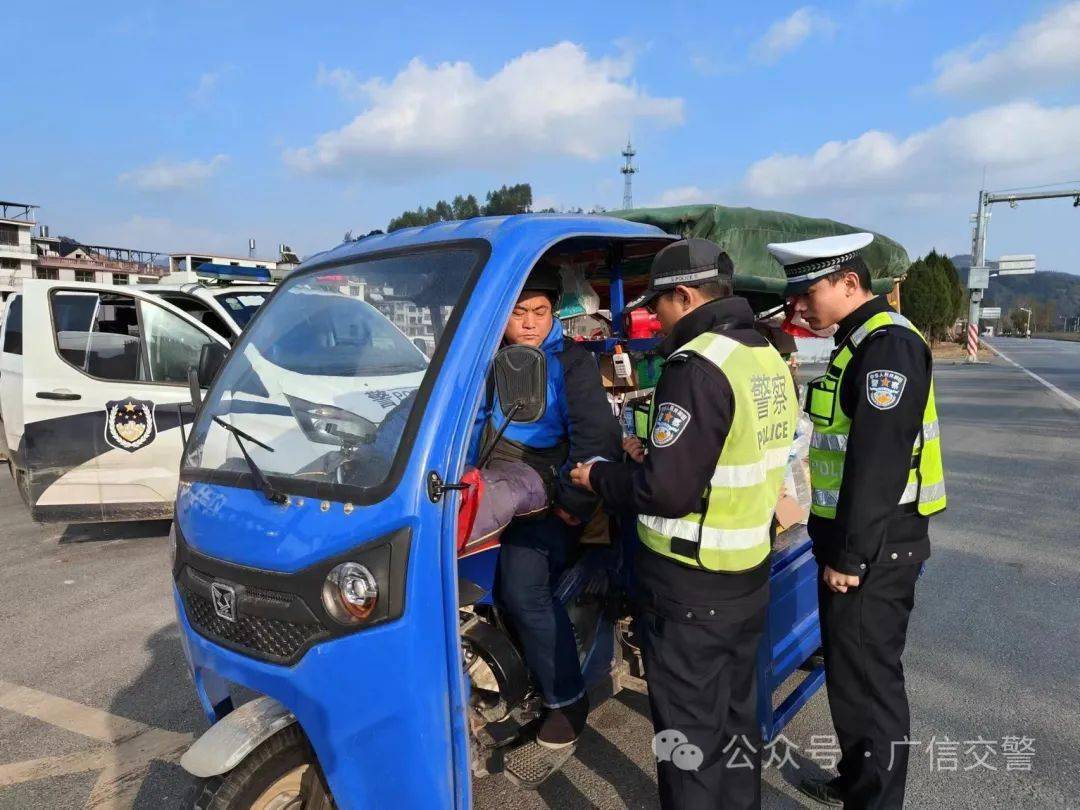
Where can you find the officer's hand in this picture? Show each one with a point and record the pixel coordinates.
(837, 582)
(580, 475)
(634, 448)
(565, 516)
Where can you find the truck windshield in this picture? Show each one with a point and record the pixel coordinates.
(328, 375)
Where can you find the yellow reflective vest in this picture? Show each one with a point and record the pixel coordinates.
(828, 445)
(732, 533)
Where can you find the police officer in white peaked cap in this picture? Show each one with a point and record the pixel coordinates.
(876, 477)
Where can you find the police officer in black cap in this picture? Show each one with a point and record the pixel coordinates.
(704, 491)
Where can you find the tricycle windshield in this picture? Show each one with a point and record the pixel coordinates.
(320, 388)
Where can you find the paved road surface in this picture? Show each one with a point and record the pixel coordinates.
(1057, 361)
(93, 692)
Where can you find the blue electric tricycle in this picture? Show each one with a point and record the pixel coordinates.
(344, 645)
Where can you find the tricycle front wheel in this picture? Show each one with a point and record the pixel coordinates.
(281, 774)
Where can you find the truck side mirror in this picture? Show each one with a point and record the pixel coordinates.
(521, 382)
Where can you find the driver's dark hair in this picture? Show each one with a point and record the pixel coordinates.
(854, 265)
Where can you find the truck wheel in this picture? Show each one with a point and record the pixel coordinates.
(281, 774)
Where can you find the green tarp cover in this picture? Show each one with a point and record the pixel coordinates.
(744, 232)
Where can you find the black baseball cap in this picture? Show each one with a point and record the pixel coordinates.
(690, 262)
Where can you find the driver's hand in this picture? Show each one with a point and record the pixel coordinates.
(634, 448)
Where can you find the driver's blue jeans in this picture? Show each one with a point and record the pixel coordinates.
(532, 556)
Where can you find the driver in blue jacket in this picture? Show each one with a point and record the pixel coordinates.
(577, 425)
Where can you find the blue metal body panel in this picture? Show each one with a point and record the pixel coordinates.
(792, 634)
(385, 707)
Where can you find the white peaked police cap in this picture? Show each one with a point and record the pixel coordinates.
(806, 261)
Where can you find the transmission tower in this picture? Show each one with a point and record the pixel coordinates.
(628, 169)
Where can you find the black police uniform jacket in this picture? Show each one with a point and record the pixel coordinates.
(869, 527)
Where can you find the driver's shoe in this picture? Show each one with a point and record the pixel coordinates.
(561, 727)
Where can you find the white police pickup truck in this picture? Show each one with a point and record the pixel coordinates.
(94, 393)
(224, 307)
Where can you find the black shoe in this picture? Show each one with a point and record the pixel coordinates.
(823, 791)
(561, 727)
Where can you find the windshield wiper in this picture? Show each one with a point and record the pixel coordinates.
(267, 488)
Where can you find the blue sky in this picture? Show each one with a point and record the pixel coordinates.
(192, 126)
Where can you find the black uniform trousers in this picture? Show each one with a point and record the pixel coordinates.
(863, 633)
(702, 685)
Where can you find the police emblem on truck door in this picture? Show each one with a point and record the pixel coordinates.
(129, 423)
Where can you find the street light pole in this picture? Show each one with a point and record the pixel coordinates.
(978, 259)
(1027, 329)
(978, 249)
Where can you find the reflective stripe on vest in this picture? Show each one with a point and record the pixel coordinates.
(828, 444)
(732, 534)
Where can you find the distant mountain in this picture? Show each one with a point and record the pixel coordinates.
(1007, 292)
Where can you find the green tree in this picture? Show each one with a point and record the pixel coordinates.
(465, 207)
(958, 297)
(1018, 320)
(928, 297)
(1044, 316)
(516, 199)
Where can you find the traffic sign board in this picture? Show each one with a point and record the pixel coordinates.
(1017, 265)
(990, 313)
(978, 278)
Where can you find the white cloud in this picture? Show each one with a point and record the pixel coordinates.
(208, 83)
(1017, 141)
(685, 195)
(555, 101)
(1042, 54)
(166, 175)
(344, 81)
(785, 35)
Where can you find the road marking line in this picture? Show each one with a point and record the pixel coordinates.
(1069, 398)
(123, 764)
(67, 714)
(16, 773)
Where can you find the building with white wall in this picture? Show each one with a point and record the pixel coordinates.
(16, 252)
(101, 264)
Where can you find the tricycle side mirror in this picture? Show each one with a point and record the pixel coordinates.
(521, 382)
(211, 358)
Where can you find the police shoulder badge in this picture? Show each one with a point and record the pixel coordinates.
(671, 420)
(884, 388)
(129, 423)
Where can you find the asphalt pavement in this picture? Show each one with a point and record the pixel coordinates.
(95, 702)
(1056, 361)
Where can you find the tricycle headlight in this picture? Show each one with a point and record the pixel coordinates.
(350, 592)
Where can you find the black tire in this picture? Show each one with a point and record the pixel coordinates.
(240, 787)
(22, 483)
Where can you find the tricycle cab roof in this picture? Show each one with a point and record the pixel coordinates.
(520, 234)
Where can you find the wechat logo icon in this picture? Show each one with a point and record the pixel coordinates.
(672, 746)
